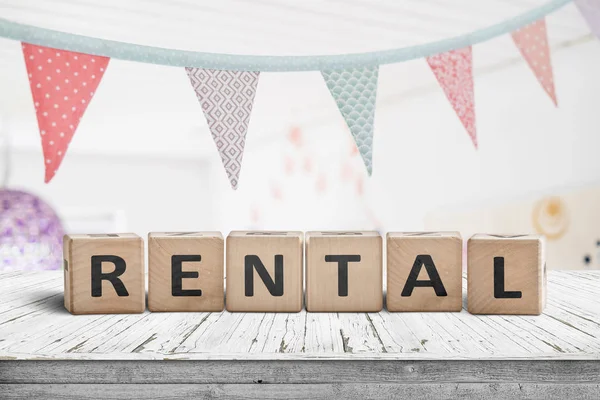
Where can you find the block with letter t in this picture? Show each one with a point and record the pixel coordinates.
(344, 272)
(506, 274)
(264, 271)
(104, 274)
(185, 271)
(424, 271)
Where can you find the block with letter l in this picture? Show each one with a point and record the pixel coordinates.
(264, 271)
(185, 271)
(424, 271)
(344, 272)
(506, 274)
(104, 273)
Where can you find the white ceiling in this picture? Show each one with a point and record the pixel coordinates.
(277, 27)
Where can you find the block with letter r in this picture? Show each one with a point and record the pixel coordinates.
(104, 274)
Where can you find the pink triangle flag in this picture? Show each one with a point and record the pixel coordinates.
(454, 72)
(226, 98)
(62, 85)
(532, 41)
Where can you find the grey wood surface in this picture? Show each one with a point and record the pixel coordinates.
(298, 372)
(500, 391)
(35, 325)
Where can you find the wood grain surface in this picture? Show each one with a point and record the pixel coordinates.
(45, 352)
(35, 325)
(493, 391)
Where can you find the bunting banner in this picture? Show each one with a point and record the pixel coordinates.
(62, 85)
(454, 72)
(63, 82)
(226, 98)
(532, 42)
(355, 92)
(590, 9)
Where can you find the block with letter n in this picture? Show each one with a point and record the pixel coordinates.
(104, 273)
(264, 271)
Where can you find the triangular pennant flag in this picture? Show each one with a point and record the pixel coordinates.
(532, 42)
(226, 98)
(590, 9)
(62, 85)
(355, 91)
(454, 72)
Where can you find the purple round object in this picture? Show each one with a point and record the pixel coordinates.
(30, 233)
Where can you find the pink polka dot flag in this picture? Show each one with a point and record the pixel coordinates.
(62, 85)
(454, 72)
(532, 41)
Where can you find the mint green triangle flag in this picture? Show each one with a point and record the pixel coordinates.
(354, 90)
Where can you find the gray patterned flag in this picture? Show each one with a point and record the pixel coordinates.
(226, 98)
(354, 91)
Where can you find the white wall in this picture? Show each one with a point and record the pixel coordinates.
(150, 194)
(423, 158)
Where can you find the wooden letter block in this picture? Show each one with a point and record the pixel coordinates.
(264, 271)
(185, 271)
(344, 271)
(424, 271)
(104, 274)
(506, 274)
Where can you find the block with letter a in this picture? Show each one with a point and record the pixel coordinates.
(185, 271)
(344, 272)
(424, 271)
(264, 271)
(104, 273)
(506, 274)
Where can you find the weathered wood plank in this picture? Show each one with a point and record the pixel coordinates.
(298, 372)
(359, 334)
(413, 356)
(37, 326)
(166, 337)
(322, 334)
(287, 334)
(201, 333)
(502, 391)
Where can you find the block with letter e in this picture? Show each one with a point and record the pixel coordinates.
(185, 271)
(104, 274)
(506, 274)
(344, 272)
(264, 271)
(424, 271)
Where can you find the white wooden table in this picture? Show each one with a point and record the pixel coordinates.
(46, 351)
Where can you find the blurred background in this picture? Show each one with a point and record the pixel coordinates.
(143, 158)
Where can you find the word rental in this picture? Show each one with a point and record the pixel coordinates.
(326, 271)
